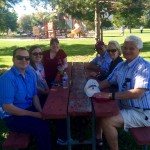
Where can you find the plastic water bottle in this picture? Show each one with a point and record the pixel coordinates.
(65, 80)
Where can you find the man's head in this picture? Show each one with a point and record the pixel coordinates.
(100, 47)
(21, 58)
(131, 47)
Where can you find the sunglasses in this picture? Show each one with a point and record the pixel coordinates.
(19, 57)
(111, 50)
(36, 53)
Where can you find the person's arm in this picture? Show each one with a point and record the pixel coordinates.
(104, 84)
(129, 94)
(12, 109)
(36, 103)
(43, 91)
(65, 64)
(93, 67)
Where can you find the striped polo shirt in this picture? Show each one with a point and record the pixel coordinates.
(135, 74)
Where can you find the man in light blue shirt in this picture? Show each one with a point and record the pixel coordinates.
(133, 79)
(19, 103)
(102, 61)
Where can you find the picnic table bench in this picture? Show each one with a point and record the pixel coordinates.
(16, 140)
(141, 136)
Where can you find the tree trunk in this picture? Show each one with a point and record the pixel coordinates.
(101, 28)
(97, 22)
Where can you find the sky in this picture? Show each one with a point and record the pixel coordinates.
(24, 8)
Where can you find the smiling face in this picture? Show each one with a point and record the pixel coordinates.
(130, 50)
(54, 47)
(36, 55)
(21, 60)
(112, 51)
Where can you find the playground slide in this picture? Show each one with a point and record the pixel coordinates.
(76, 31)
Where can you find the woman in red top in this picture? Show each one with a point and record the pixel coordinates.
(52, 58)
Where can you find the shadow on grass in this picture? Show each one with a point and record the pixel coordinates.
(71, 50)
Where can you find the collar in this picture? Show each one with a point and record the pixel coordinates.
(135, 61)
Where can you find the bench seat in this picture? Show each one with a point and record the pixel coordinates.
(17, 140)
(141, 135)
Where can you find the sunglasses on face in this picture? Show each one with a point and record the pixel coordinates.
(19, 57)
(111, 50)
(36, 53)
(98, 49)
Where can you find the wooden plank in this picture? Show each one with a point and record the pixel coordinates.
(17, 140)
(56, 104)
(79, 103)
(105, 107)
(141, 135)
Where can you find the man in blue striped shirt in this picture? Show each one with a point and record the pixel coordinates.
(102, 61)
(19, 104)
(133, 79)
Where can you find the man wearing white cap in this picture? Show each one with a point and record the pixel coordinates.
(133, 79)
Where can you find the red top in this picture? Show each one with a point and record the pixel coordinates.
(50, 65)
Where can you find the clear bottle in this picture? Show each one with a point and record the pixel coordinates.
(65, 80)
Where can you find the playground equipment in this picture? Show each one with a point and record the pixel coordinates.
(60, 26)
(78, 30)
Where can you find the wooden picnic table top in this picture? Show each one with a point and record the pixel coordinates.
(79, 103)
(73, 100)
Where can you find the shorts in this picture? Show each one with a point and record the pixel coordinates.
(135, 118)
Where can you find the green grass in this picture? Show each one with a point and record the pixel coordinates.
(78, 50)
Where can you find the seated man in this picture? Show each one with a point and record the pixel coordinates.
(19, 103)
(133, 79)
(102, 61)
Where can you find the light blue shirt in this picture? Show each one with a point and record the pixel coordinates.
(135, 74)
(17, 89)
(40, 75)
(102, 61)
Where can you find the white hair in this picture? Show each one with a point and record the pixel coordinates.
(138, 42)
(116, 44)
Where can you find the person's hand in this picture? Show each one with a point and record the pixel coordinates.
(101, 95)
(60, 68)
(93, 74)
(37, 114)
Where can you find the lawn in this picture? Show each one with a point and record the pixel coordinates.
(78, 50)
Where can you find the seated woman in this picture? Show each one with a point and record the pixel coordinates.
(52, 59)
(36, 56)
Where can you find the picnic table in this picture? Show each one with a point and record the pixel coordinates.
(71, 102)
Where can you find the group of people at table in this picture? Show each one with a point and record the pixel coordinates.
(24, 88)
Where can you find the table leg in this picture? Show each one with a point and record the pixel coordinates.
(69, 132)
(93, 132)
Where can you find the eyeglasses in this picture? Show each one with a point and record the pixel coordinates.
(19, 57)
(36, 53)
(98, 49)
(111, 50)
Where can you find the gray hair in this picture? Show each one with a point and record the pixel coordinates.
(138, 42)
(118, 47)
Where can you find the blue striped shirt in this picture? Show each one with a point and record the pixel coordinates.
(17, 89)
(135, 74)
(102, 61)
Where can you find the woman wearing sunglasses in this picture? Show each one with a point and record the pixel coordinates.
(36, 56)
(114, 52)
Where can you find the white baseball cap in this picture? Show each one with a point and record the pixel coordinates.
(91, 87)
